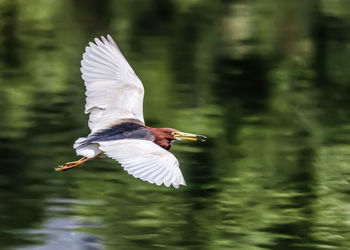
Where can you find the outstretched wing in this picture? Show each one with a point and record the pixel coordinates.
(113, 90)
(145, 160)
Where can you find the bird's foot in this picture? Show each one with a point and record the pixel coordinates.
(70, 165)
(73, 164)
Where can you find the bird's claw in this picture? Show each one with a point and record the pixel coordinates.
(59, 168)
(67, 166)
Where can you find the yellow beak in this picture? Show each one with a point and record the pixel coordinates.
(187, 136)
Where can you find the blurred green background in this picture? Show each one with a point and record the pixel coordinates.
(268, 82)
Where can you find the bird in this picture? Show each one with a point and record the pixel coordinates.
(114, 102)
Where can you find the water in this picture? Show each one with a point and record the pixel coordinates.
(267, 83)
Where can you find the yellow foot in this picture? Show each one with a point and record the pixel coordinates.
(69, 165)
(73, 164)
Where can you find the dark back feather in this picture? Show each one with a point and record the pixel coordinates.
(125, 130)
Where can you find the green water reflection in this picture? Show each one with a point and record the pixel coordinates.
(267, 81)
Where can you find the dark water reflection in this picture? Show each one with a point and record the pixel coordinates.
(267, 82)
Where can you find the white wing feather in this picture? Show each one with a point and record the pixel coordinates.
(113, 90)
(145, 160)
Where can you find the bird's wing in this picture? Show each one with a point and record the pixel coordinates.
(145, 160)
(113, 90)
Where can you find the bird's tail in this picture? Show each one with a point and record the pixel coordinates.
(85, 148)
(81, 143)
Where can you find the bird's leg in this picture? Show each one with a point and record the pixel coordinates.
(73, 164)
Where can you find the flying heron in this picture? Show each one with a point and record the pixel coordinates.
(114, 101)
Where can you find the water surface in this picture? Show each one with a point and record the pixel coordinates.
(267, 82)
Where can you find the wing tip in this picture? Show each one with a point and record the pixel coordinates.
(174, 185)
(177, 185)
(180, 181)
(103, 40)
(110, 38)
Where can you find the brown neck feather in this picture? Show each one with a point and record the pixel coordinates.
(162, 136)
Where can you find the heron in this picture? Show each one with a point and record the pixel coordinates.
(114, 102)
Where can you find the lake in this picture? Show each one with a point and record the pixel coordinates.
(268, 82)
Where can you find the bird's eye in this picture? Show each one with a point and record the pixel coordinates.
(176, 133)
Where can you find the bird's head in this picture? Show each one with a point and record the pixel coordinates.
(173, 134)
(164, 136)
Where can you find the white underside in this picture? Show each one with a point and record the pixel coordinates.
(142, 159)
(89, 151)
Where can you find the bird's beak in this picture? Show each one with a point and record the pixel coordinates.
(187, 136)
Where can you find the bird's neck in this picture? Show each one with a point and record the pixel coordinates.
(161, 138)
